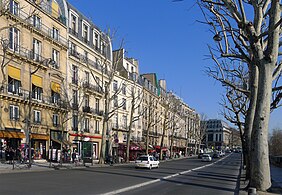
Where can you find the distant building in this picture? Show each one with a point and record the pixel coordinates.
(220, 134)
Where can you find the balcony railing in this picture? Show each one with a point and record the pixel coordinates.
(23, 94)
(27, 18)
(91, 87)
(29, 54)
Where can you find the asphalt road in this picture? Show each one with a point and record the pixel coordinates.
(185, 176)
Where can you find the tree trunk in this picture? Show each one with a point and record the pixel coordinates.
(246, 143)
(260, 172)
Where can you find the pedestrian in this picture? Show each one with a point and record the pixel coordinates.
(73, 156)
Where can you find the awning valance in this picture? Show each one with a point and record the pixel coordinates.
(12, 134)
(55, 87)
(15, 73)
(37, 81)
(39, 136)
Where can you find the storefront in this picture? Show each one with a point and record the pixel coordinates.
(86, 146)
(38, 145)
(135, 150)
(11, 138)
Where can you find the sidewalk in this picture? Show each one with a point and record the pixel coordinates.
(276, 179)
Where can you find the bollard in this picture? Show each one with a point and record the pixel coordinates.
(252, 191)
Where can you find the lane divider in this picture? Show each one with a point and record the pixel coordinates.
(157, 180)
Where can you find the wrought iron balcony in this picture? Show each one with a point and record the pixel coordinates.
(28, 19)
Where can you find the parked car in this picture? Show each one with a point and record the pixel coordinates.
(146, 161)
(206, 158)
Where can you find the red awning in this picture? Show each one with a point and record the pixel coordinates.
(82, 135)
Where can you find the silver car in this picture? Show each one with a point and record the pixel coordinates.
(146, 161)
(206, 158)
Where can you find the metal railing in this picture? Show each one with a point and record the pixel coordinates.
(7, 89)
(27, 18)
(28, 54)
(89, 86)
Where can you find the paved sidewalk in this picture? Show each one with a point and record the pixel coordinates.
(276, 179)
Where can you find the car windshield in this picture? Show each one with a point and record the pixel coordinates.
(143, 158)
(205, 155)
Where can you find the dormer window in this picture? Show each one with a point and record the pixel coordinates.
(85, 32)
(96, 40)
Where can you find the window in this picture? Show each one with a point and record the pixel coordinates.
(55, 97)
(74, 24)
(85, 32)
(14, 86)
(55, 120)
(37, 21)
(37, 116)
(216, 137)
(14, 39)
(97, 129)
(220, 139)
(74, 97)
(74, 74)
(75, 122)
(210, 137)
(124, 103)
(14, 7)
(36, 92)
(103, 48)
(115, 85)
(123, 89)
(97, 105)
(14, 112)
(55, 34)
(36, 50)
(86, 125)
(96, 40)
(55, 58)
(72, 48)
(115, 101)
(87, 78)
(86, 100)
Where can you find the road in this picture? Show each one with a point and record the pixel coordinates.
(185, 176)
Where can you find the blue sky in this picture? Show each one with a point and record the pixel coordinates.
(166, 39)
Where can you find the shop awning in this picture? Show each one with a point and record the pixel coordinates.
(55, 87)
(37, 81)
(15, 73)
(12, 134)
(39, 136)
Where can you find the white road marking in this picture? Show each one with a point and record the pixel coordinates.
(157, 180)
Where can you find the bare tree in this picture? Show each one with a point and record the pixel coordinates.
(135, 105)
(151, 115)
(251, 37)
(108, 68)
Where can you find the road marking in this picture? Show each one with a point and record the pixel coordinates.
(131, 187)
(157, 180)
